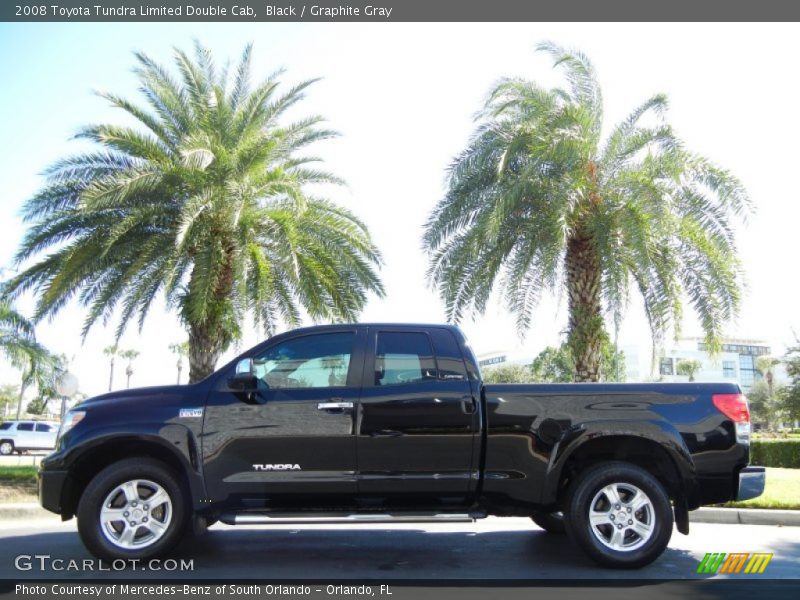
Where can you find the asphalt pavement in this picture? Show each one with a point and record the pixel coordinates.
(491, 549)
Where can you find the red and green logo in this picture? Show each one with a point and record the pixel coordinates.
(737, 562)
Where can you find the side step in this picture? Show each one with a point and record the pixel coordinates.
(261, 518)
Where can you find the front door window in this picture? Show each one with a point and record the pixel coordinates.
(313, 361)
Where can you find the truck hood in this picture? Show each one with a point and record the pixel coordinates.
(162, 393)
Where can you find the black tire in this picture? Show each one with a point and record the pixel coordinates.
(91, 528)
(6, 447)
(583, 492)
(551, 522)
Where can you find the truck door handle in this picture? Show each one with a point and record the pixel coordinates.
(334, 405)
(469, 405)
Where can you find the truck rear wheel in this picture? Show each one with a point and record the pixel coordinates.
(132, 509)
(620, 515)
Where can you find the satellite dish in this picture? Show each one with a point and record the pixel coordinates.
(67, 384)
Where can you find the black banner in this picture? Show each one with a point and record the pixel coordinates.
(543, 590)
(398, 10)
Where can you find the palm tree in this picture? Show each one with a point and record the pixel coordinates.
(8, 394)
(540, 202)
(689, 368)
(19, 346)
(17, 337)
(181, 350)
(207, 203)
(44, 375)
(130, 356)
(39, 372)
(766, 366)
(112, 352)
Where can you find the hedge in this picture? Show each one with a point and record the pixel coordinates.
(775, 453)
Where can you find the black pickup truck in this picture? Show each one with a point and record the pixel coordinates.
(392, 423)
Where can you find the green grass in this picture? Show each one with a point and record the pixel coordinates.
(25, 474)
(18, 484)
(784, 436)
(782, 491)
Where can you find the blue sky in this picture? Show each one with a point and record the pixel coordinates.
(403, 97)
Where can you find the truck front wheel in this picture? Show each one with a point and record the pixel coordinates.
(132, 509)
(619, 514)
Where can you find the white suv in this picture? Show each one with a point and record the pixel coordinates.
(18, 436)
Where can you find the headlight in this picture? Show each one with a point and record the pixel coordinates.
(72, 418)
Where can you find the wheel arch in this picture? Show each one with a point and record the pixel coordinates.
(661, 454)
(103, 453)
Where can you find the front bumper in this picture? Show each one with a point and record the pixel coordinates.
(751, 483)
(51, 486)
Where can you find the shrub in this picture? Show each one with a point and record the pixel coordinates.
(777, 453)
(508, 374)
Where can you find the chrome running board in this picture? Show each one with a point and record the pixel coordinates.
(257, 518)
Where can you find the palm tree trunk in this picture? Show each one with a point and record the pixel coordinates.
(586, 327)
(209, 339)
(111, 375)
(23, 386)
(205, 348)
(768, 403)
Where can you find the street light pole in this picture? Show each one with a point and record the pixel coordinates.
(66, 386)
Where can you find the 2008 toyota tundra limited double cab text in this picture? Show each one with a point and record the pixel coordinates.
(392, 423)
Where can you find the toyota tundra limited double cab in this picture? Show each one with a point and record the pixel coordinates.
(391, 423)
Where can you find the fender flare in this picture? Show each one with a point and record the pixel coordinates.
(661, 433)
(172, 438)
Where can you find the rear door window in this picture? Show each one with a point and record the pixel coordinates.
(449, 361)
(404, 357)
(44, 427)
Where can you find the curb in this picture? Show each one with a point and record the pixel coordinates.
(22, 510)
(746, 516)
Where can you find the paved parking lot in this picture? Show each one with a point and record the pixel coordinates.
(506, 549)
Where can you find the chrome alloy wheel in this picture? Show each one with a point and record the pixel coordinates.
(622, 517)
(136, 514)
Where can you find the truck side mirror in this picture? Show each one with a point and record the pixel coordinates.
(245, 379)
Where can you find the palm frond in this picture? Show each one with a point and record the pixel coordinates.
(206, 202)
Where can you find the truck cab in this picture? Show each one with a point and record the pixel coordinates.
(375, 416)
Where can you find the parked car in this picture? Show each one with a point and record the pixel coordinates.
(20, 436)
(392, 423)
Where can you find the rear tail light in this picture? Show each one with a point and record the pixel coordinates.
(734, 406)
